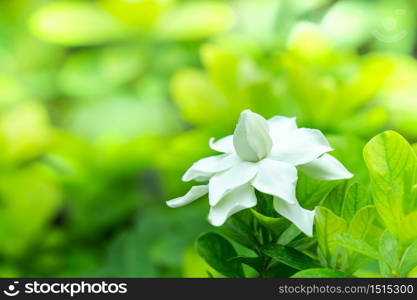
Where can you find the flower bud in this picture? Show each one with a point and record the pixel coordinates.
(251, 137)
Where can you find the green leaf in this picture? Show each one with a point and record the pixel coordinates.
(321, 273)
(414, 146)
(139, 14)
(31, 200)
(237, 228)
(219, 253)
(356, 197)
(334, 199)
(362, 231)
(408, 260)
(301, 243)
(349, 151)
(278, 270)
(17, 143)
(75, 23)
(310, 192)
(339, 259)
(257, 263)
(408, 231)
(388, 251)
(289, 256)
(328, 226)
(362, 222)
(289, 235)
(195, 20)
(276, 225)
(222, 67)
(392, 166)
(309, 42)
(360, 246)
(194, 266)
(198, 99)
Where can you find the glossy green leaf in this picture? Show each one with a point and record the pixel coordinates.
(360, 246)
(339, 259)
(409, 260)
(328, 227)
(238, 229)
(289, 235)
(362, 231)
(392, 165)
(362, 222)
(276, 225)
(335, 199)
(257, 263)
(408, 231)
(289, 256)
(219, 254)
(278, 270)
(310, 192)
(388, 251)
(356, 197)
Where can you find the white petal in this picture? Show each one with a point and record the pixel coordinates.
(241, 198)
(193, 194)
(251, 138)
(224, 145)
(326, 167)
(280, 127)
(276, 178)
(300, 147)
(300, 217)
(207, 167)
(223, 183)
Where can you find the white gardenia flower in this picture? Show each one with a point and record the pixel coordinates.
(263, 155)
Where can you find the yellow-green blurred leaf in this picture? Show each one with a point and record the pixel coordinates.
(195, 20)
(25, 132)
(141, 14)
(30, 198)
(75, 23)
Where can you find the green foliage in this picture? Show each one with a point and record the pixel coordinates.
(276, 225)
(105, 103)
(389, 261)
(194, 20)
(288, 256)
(218, 253)
(328, 226)
(360, 246)
(356, 197)
(351, 223)
(409, 260)
(76, 24)
(392, 165)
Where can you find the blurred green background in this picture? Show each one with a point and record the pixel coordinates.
(104, 104)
